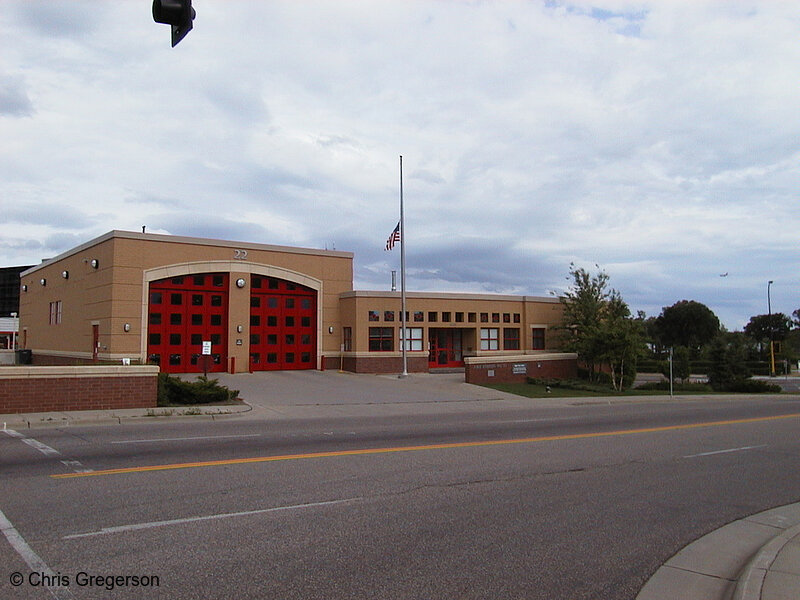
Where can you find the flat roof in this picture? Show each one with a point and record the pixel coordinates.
(177, 239)
(450, 296)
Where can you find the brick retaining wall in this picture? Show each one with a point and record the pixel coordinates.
(517, 369)
(47, 389)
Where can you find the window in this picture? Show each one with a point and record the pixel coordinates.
(176, 300)
(255, 321)
(155, 339)
(432, 317)
(538, 338)
(414, 338)
(511, 338)
(255, 301)
(197, 339)
(216, 320)
(289, 302)
(255, 339)
(489, 338)
(217, 280)
(495, 317)
(374, 315)
(419, 316)
(472, 317)
(197, 319)
(272, 284)
(445, 317)
(175, 318)
(506, 317)
(177, 280)
(216, 300)
(516, 317)
(289, 321)
(484, 317)
(272, 302)
(305, 321)
(388, 315)
(55, 313)
(174, 340)
(459, 317)
(347, 339)
(155, 298)
(305, 303)
(272, 321)
(197, 299)
(155, 318)
(199, 279)
(381, 339)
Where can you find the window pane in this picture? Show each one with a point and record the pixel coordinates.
(216, 300)
(155, 318)
(216, 320)
(154, 339)
(176, 299)
(197, 319)
(155, 298)
(174, 339)
(175, 319)
(197, 299)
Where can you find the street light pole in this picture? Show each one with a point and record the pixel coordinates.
(771, 344)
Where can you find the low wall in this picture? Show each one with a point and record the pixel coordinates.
(46, 389)
(517, 369)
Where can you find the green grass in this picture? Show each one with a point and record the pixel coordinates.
(587, 390)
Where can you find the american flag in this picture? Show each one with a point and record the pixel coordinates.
(394, 237)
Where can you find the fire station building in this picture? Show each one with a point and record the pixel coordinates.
(189, 304)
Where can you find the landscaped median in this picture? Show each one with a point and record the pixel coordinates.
(32, 389)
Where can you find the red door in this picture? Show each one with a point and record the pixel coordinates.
(445, 348)
(283, 325)
(183, 313)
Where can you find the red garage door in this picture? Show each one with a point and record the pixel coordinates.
(183, 313)
(283, 325)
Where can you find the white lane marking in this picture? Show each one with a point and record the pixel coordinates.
(726, 451)
(43, 448)
(544, 420)
(34, 562)
(181, 439)
(75, 465)
(150, 525)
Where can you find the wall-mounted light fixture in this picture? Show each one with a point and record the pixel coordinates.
(95, 263)
(24, 287)
(240, 283)
(65, 274)
(126, 327)
(330, 329)
(43, 281)
(239, 329)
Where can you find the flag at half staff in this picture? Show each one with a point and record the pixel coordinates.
(394, 237)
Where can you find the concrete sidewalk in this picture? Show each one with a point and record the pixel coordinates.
(757, 558)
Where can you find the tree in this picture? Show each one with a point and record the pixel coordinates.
(600, 328)
(796, 315)
(728, 356)
(687, 323)
(760, 326)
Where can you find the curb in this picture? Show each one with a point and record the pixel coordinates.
(729, 563)
(751, 580)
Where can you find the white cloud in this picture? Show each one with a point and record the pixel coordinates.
(655, 138)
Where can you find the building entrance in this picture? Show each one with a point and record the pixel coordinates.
(445, 348)
(283, 325)
(183, 312)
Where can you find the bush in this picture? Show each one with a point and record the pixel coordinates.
(172, 390)
(753, 386)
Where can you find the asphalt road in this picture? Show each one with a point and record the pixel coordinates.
(576, 501)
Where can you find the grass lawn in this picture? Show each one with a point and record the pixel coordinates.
(533, 390)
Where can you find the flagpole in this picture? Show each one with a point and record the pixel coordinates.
(404, 341)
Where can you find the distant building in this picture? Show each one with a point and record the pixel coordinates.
(9, 289)
(179, 302)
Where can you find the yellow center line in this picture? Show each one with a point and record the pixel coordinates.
(364, 451)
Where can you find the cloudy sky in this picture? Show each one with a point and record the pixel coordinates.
(658, 140)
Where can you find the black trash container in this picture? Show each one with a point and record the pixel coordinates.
(24, 357)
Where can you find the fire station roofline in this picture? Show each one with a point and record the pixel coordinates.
(449, 296)
(176, 239)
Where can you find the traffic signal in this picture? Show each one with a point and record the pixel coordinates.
(177, 13)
